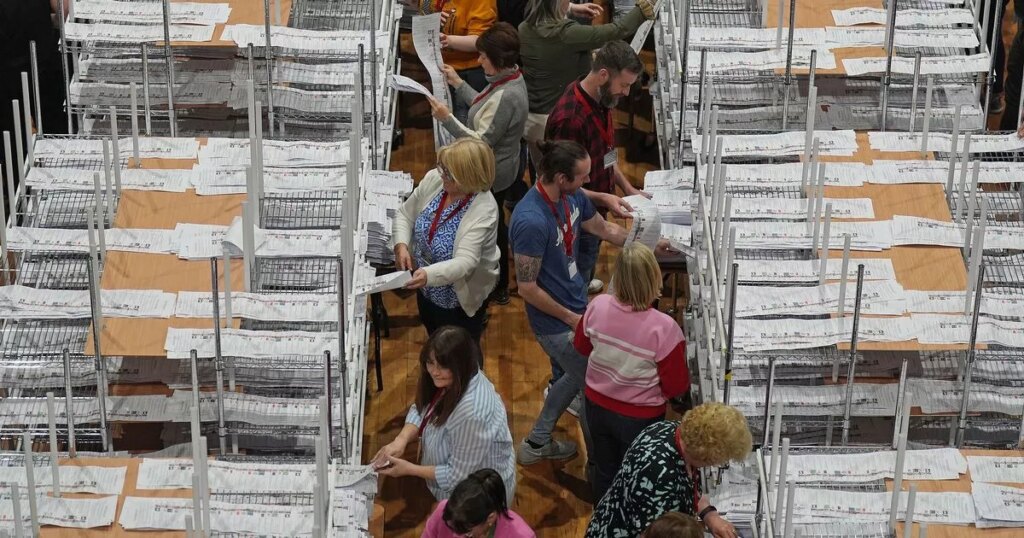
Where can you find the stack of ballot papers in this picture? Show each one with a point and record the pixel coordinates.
(21, 302)
(997, 505)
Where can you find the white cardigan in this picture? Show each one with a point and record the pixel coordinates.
(473, 269)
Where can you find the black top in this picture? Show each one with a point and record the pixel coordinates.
(513, 11)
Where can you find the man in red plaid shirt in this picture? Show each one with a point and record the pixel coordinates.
(584, 115)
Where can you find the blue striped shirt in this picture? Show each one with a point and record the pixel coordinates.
(475, 436)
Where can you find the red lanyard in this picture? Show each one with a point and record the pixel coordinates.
(501, 82)
(437, 216)
(607, 131)
(439, 5)
(430, 411)
(567, 234)
(693, 479)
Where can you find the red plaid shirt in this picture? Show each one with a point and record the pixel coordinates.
(571, 120)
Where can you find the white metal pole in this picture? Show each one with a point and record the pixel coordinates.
(927, 115)
(897, 483)
(135, 126)
(780, 489)
(30, 481)
(51, 419)
(908, 518)
(823, 268)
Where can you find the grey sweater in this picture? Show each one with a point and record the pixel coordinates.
(498, 119)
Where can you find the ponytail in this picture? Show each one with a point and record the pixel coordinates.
(474, 499)
(559, 157)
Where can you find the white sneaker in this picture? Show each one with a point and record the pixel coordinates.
(595, 286)
(547, 389)
(576, 406)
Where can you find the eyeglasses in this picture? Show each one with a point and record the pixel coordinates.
(446, 175)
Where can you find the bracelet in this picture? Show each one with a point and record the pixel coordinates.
(706, 511)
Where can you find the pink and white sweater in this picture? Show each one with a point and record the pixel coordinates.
(637, 359)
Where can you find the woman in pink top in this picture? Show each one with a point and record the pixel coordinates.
(637, 361)
(477, 509)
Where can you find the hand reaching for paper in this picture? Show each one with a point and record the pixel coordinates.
(452, 76)
(403, 260)
(617, 206)
(444, 41)
(665, 248)
(438, 109)
(586, 11)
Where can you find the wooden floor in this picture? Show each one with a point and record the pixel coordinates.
(552, 497)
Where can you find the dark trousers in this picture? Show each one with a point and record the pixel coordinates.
(434, 317)
(1014, 72)
(478, 81)
(999, 54)
(502, 241)
(612, 434)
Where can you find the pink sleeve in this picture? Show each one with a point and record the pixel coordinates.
(435, 527)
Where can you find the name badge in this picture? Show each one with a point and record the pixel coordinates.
(611, 158)
(572, 269)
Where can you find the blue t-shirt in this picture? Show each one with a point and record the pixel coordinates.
(535, 232)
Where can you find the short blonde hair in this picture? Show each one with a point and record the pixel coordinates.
(637, 279)
(470, 161)
(715, 434)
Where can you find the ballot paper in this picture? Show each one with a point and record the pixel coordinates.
(998, 506)
(933, 464)
(796, 333)
(21, 302)
(141, 179)
(796, 208)
(665, 180)
(126, 33)
(904, 17)
(645, 29)
(996, 468)
(754, 177)
(151, 12)
(930, 65)
(770, 235)
(234, 152)
(809, 270)
(877, 297)
(150, 147)
(940, 396)
(887, 172)
(752, 38)
(980, 143)
(226, 476)
(731, 61)
(1003, 302)
(837, 143)
(904, 38)
(945, 508)
(311, 307)
(187, 92)
(73, 478)
(426, 39)
(406, 84)
(874, 400)
(153, 241)
(150, 513)
(646, 225)
(377, 284)
(922, 231)
(63, 512)
(286, 243)
(288, 40)
(246, 343)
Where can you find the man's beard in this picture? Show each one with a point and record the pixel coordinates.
(607, 100)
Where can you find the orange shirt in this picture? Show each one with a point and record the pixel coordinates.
(466, 17)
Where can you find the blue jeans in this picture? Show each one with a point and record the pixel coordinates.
(561, 351)
(589, 247)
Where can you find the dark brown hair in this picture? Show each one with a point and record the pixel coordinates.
(473, 500)
(674, 525)
(500, 43)
(559, 157)
(454, 349)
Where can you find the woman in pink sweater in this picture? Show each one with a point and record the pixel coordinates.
(477, 508)
(637, 361)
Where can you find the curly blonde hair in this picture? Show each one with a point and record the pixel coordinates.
(715, 434)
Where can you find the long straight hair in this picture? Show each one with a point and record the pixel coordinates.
(454, 349)
(539, 11)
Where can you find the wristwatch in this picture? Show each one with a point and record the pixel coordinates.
(706, 511)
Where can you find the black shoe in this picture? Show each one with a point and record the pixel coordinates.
(500, 296)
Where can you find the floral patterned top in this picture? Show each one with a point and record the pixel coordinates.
(653, 480)
(441, 249)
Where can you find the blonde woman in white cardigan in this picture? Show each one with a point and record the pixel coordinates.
(446, 234)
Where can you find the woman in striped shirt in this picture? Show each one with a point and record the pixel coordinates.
(637, 361)
(458, 416)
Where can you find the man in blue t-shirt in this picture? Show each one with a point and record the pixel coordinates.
(544, 235)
